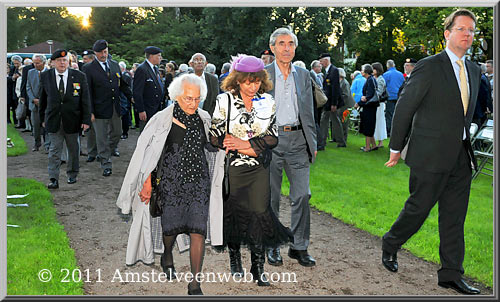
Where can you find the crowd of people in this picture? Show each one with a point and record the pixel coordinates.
(261, 116)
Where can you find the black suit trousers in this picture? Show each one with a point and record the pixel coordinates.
(451, 191)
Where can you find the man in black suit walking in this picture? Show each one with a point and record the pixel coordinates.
(198, 62)
(105, 84)
(434, 111)
(65, 110)
(148, 87)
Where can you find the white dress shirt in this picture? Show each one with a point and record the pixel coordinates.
(65, 78)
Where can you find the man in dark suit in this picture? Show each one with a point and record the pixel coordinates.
(296, 149)
(147, 86)
(198, 62)
(105, 84)
(408, 68)
(331, 87)
(435, 111)
(65, 110)
(24, 94)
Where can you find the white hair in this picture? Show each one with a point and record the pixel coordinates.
(27, 61)
(210, 68)
(183, 67)
(176, 88)
(314, 63)
(198, 54)
(122, 65)
(16, 58)
(341, 72)
(39, 56)
(300, 64)
(225, 67)
(355, 73)
(283, 32)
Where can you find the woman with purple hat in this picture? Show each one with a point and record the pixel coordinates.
(247, 216)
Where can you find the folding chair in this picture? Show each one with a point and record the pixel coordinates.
(483, 143)
(473, 129)
(354, 121)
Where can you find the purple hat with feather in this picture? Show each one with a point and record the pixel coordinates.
(245, 63)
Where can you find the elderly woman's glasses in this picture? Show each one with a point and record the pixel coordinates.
(190, 100)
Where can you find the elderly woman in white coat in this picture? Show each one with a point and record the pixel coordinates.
(175, 142)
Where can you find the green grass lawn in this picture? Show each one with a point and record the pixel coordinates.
(39, 243)
(358, 189)
(19, 143)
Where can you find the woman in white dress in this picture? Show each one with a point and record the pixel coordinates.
(380, 130)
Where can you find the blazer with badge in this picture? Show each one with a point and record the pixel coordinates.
(430, 113)
(303, 88)
(73, 109)
(105, 90)
(147, 90)
(212, 92)
(331, 87)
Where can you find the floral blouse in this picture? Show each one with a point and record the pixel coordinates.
(257, 126)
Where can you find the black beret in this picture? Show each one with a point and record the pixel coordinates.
(152, 50)
(411, 60)
(100, 45)
(59, 54)
(87, 52)
(324, 55)
(267, 52)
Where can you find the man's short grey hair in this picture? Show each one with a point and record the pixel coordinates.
(355, 73)
(390, 64)
(225, 67)
(122, 65)
(39, 56)
(200, 55)
(27, 61)
(210, 68)
(483, 67)
(314, 63)
(300, 64)
(282, 32)
(341, 72)
(176, 88)
(183, 67)
(16, 58)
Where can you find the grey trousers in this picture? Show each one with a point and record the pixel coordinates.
(56, 149)
(345, 124)
(91, 143)
(291, 155)
(107, 134)
(338, 132)
(37, 128)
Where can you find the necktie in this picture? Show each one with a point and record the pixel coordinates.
(157, 74)
(61, 86)
(464, 92)
(107, 68)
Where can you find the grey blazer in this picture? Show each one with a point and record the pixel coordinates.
(33, 86)
(305, 103)
(430, 114)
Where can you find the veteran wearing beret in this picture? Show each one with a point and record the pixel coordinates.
(408, 67)
(148, 87)
(64, 110)
(105, 84)
(267, 56)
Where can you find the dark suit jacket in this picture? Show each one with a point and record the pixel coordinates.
(303, 88)
(212, 92)
(331, 87)
(73, 109)
(430, 112)
(24, 93)
(147, 90)
(105, 91)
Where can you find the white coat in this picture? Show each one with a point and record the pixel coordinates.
(145, 158)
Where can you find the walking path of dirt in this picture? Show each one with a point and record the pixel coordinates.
(348, 259)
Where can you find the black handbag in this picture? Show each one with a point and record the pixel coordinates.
(225, 181)
(155, 204)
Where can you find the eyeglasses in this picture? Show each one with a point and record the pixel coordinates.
(189, 99)
(462, 30)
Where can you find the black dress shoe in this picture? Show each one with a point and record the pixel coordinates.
(54, 184)
(106, 172)
(302, 256)
(274, 257)
(195, 291)
(71, 180)
(35, 148)
(169, 270)
(90, 159)
(460, 286)
(116, 153)
(124, 136)
(390, 261)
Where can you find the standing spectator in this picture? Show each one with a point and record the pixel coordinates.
(148, 89)
(14, 74)
(65, 109)
(331, 87)
(87, 56)
(32, 90)
(393, 80)
(223, 74)
(125, 103)
(380, 128)
(483, 99)
(10, 91)
(489, 75)
(368, 113)
(169, 77)
(210, 68)
(199, 61)
(296, 148)
(183, 68)
(267, 56)
(358, 81)
(105, 84)
(134, 108)
(408, 67)
(346, 95)
(28, 65)
(316, 72)
(22, 106)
